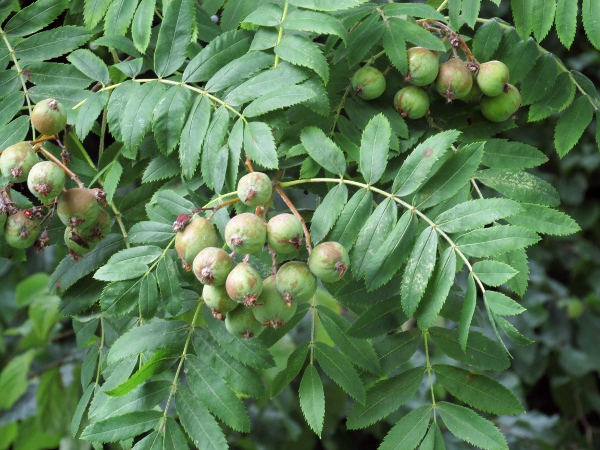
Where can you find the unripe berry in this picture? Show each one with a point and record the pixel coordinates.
(271, 309)
(492, 78)
(284, 233)
(217, 299)
(329, 261)
(255, 189)
(411, 102)
(241, 322)
(575, 308)
(21, 231)
(246, 233)
(17, 160)
(78, 242)
(454, 80)
(196, 236)
(3, 218)
(46, 180)
(244, 284)
(368, 83)
(212, 265)
(296, 282)
(474, 94)
(49, 117)
(423, 66)
(78, 207)
(501, 107)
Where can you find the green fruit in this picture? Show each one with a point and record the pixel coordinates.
(368, 83)
(101, 227)
(411, 102)
(296, 282)
(3, 218)
(246, 233)
(49, 117)
(474, 94)
(454, 80)
(218, 301)
(212, 265)
(271, 309)
(78, 207)
(501, 107)
(21, 231)
(46, 180)
(492, 78)
(329, 261)
(78, 242)
(196, 236)
(575, 308)
(244, 284)
(241, 322)
(284, 233)
(17, 160)
(423, 66)
(255, 189)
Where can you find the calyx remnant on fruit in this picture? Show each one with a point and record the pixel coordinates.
(368, 83)
(271, 308)
(217, 299)
(196, 236)
(212, 265)
(255, 189)
(21, 230)
(329, 261)
(46, 180)
(241, 322)
(296, 282)
(17, 160)
(49, 116)
(244, 284)
(78, 207)
(284, 233)
(423, 66)
(454, 80)
(411, 102)
(246, 233)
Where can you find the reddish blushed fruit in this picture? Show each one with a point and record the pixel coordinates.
(49, 117)
(17, 160)
(217, 299)
(423, 66)
(503, 106)
(454, 80)
(296, 282)
(78, 207)
(255, 189)
(212, 265)
(411, 102)
(271, 309)
(21, 230)
(284, 233)
(241, 323)
(329, 261)
(368, 83)
(244, 284)
(46, 180)
(492, 78)
(196, 236)
(246, 233)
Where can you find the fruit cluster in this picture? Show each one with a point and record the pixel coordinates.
(78, 209)
(454, 79)
(237, 294)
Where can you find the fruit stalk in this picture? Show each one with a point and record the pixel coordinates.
(290, 205)
(73, 175)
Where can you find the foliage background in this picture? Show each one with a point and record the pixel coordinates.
(556, 377)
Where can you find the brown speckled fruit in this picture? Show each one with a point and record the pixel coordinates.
(246, 233)
(271, 309)
(78, 207)
(21, 231)
(454, 80)
(49, 117)
(423, 66)
(255, 189)
(17, 160)
(296, 282)
(212, 265)
(217, 299)
(196, 236)
(241, 322)
(46, 180)
(284, 233)
(244, 284)
(329, 261)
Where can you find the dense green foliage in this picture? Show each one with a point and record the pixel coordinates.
(426, 337)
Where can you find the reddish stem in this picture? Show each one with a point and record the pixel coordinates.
(68, 171)
(290, 205)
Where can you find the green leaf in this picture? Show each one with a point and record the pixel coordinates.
(199, 424)
(170, 286)
(120, 272)
(148, 337)
(34, 17)
(467, 311)
(148, 296)
(119, 428)
(90, 65)
(362, 38)
(326, 5)
(518, 260)
(502, 305)
(267, 15)
(9, 106)
(477, 390)
(214, 393)
(566, 21)
(493, 241)
(560, 96)
(511, 332)
(522, 58)
(486, 40)
(13, 379)
(474, 214)
(412, 9)
(433, 439)
(292, 368)
(504, 154)
(395, 46)
(437, 290)
(416, 34)
(384, 398)
(392, 253)
(80, 410)
(416, 167)
(150, 233)
(137, 114)
(94, 11)
(51, 43)
(192, 135)
(408, 431)
(590, 13)
(323, 150)
(174, 439)
(379, 319)
(471, 427)
(352, 219)
(317, 22)
(141, 26)
(238, 70)
(14, 132)
(418, 270)
(539, 80)
(337, 367)
(259, 144)
(327, 212)
(89, 112)
(470, 11)
(374, 148)
(111, 179)
(161, 168)
(120, 297)
(571, 125)
(481, 351)
(520, 186)
(398, 349)
(372, 235)
(281, 98)
(493, 273)
(522, 11)
(301, 51)
(118, 17)
(544, 220)
(170, 116)
(142, 398)
(543, 19)
(312, 399)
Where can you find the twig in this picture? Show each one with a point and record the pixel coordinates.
(290, 205)
(68, 171)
